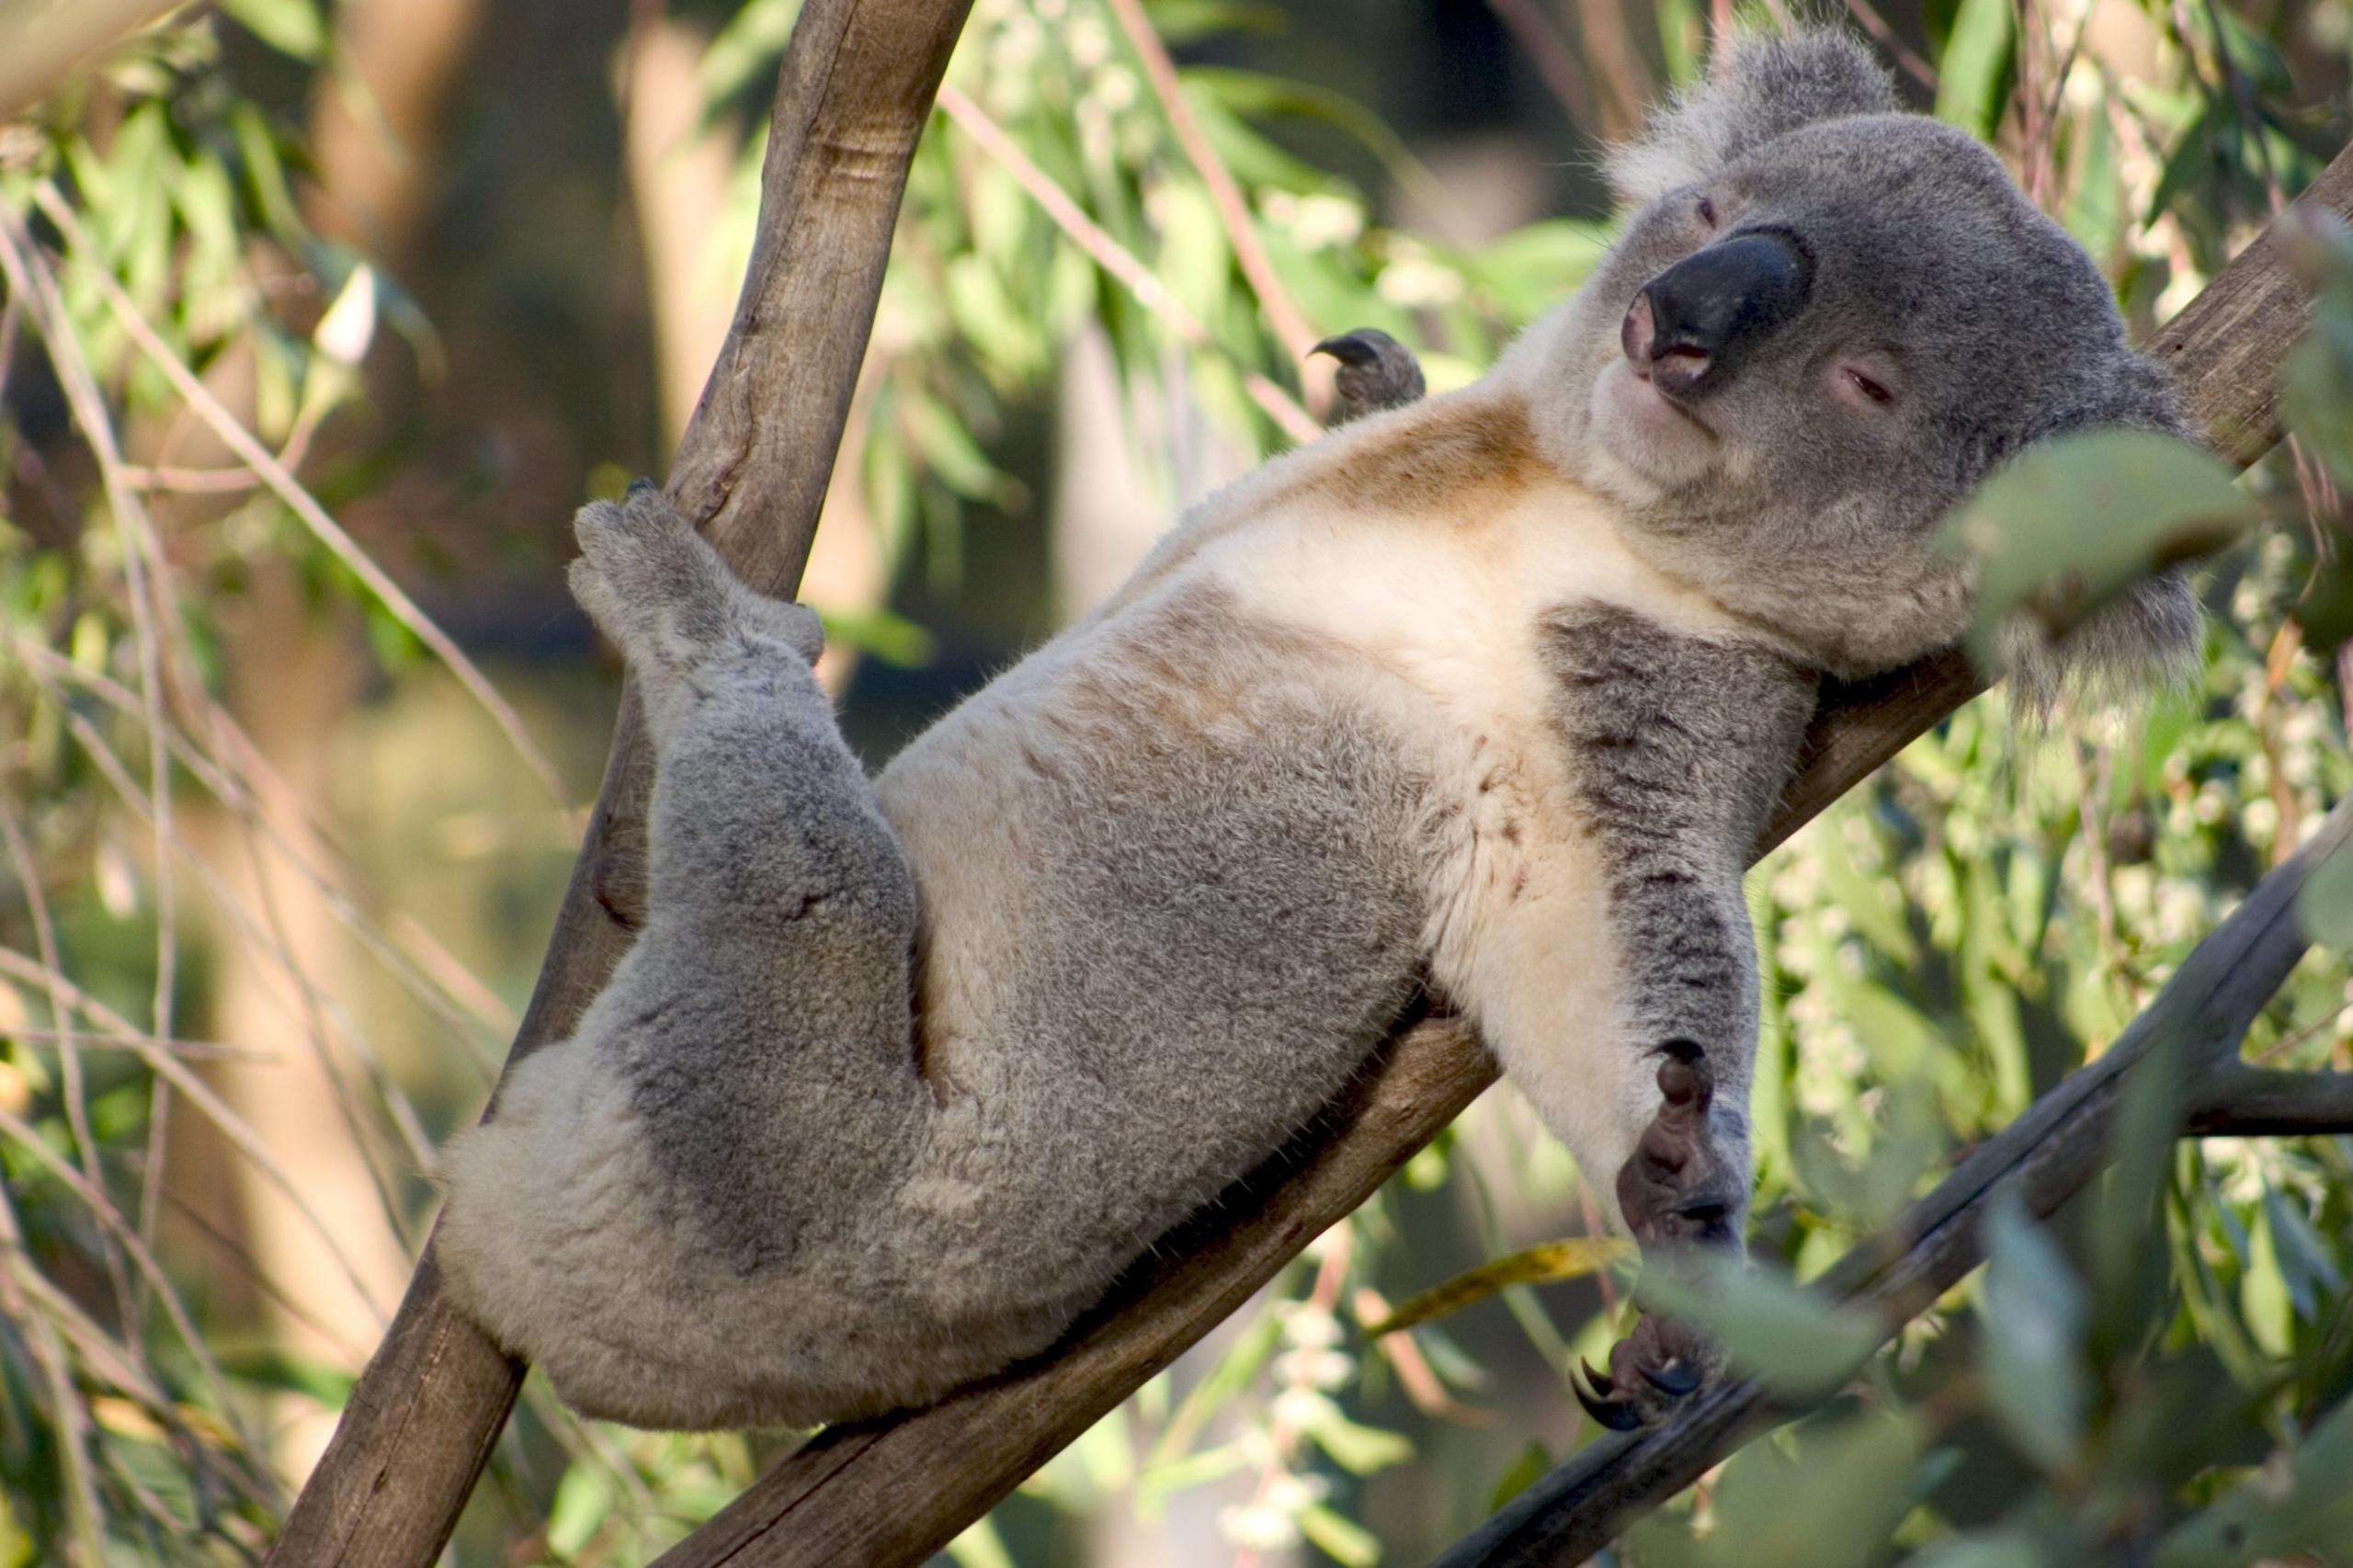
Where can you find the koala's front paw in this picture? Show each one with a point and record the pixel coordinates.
(1376, 372)
(662, 593)
(1681, 1188)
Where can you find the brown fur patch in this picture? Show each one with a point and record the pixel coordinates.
(1450, 465)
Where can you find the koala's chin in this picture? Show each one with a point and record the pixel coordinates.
(1641, 444)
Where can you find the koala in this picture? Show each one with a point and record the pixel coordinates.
(1486, 696)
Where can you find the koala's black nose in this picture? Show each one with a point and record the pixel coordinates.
(1691, 323)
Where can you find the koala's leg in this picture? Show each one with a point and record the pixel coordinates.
(775, 882)
(657, 1211)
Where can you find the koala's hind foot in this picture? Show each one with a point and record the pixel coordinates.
(659, 590)
(1376, 372)
(1679, 1189)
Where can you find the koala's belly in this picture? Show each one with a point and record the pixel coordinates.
(1175, 888)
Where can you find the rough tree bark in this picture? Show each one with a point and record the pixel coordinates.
(856, 82)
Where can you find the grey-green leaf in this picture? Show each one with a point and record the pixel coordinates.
(2077, 519)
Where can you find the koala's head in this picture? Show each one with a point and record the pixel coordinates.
(1825, 324)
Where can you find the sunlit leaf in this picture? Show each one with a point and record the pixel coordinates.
(289, 27)
(1342, 1540)
(1568, 1259)
(1976, 59)
(583, 1501)
(1356, 1448)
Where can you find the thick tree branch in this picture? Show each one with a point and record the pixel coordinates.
(852, 97)
(2048, 1155)
(893, 1491)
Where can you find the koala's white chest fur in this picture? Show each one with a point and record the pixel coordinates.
(1413, 596)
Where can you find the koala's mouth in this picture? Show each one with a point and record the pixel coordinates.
(1672, 369)
(1655, 389)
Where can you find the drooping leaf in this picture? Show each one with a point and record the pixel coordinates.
(2062, 530)
(2034, 1312)
(1796, 1342)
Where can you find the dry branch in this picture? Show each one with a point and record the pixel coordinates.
(893, 1491)
(852, 97)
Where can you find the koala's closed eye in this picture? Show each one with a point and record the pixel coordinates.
(1865, 383)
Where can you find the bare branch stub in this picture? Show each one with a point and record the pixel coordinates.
(889, 1492)
(853, 96)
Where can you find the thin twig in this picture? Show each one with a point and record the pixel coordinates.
(429, 973)
(174, 1310)
(267, 933)
(1920, 69)
(142, 578)
(190, 1050)
(299, 500)
(233, 1127)
(1233, 213)
(1116, 259)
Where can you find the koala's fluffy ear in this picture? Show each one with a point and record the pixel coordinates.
(1770, 85)
(2147, 637)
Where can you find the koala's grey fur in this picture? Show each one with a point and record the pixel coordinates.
(1489, 694)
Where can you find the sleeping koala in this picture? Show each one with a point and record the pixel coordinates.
(1489, 694)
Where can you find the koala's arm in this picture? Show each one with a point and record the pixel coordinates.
(1618, 986)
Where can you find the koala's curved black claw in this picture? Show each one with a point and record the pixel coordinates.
(1599, 1379)
(1618, 1414)
(1675, 1380)
(640, 485)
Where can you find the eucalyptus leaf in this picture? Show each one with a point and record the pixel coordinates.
(2325, 904)
(1568, 1259)
(583, 1501)
(2034, 1311)
(1795, 1341)
(1976, 60)
(2077, 519)
(291, 27)
(2298, 1503)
